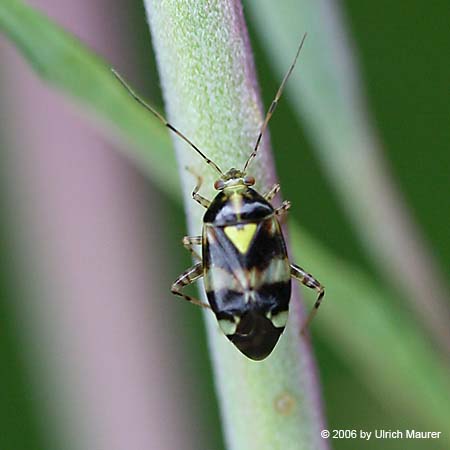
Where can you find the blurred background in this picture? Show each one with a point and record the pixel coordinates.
(95, 353)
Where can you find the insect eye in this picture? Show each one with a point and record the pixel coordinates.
(218, 185)
(249, 181)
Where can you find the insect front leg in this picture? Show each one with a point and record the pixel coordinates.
(195, 195)
(309, 281)
(189, 242)
(282, 210)
(271, 194)
(185, 279)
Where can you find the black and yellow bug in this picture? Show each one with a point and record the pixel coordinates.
(244, 264)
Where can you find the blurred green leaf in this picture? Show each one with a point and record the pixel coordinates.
(66, 64)
(377, 340)
(328, 98)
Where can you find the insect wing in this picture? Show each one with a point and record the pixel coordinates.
(247, 280)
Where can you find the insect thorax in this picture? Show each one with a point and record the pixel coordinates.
(236, 205)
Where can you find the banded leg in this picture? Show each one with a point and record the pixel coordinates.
(195, 195)
(271, 194)
(185, 279)
(282, 210)
(189, 242)
(309, 281)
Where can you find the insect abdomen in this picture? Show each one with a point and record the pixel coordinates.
(247, 281)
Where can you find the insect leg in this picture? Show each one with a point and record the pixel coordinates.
(271, 194)
(195, 195)
(282, 210)
(189, 242)
(309, 281)
(185, 279)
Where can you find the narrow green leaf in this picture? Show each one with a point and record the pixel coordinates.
(380, 342)
(66, 64)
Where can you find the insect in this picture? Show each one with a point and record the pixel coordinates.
(244, 262)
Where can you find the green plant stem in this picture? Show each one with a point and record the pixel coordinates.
(211, 94)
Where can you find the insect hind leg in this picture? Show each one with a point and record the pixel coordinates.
(309, 281)
(185, 279)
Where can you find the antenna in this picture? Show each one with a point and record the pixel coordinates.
(273, 105)
(164, 121)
